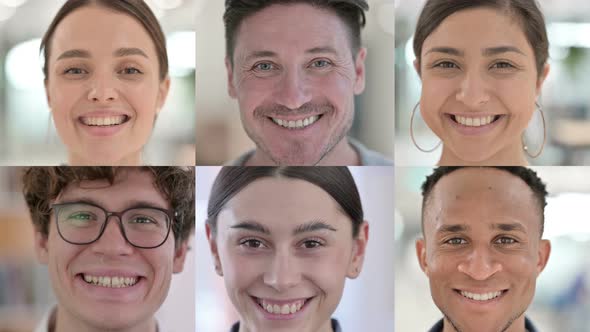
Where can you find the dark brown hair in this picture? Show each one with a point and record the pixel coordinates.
(136, 9)
(526, 12)
(527, 175)
(41, 185)
(351, 12)
(336, 181)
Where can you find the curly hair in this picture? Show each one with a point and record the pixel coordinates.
(41, 185)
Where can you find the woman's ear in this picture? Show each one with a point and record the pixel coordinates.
(358, 251)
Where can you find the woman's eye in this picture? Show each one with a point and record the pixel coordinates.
(75, 71)
(445, 65)
(456, 241)
(264, 66)
(320, 63)
(130, 71)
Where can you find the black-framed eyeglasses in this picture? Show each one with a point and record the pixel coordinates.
(83, 223)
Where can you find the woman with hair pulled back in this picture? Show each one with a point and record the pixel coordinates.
(482, 64)
(285, 239)
(106, 79)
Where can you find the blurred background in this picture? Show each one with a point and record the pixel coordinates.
(220, 136)
(27, 132)
(565, 98)
(367, 302)
(25, 290)
(562, 298)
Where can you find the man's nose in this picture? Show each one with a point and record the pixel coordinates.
(293, 90)
(480, 264)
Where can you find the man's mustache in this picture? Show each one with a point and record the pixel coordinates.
(310, 108)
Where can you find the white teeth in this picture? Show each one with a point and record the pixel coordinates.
(103, 121)
(481, 297)
(113, 282)
(299, 124)
(285, 309)
(474, 122)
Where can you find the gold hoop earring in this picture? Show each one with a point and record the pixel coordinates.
(525, 147)
(412, 133)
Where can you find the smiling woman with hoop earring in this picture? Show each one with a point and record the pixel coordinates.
(480, 85)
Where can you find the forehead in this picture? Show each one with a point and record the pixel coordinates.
(100, 30)
(277, 202)
(130, 186)
(291, 29)
(478, 28)
(481, 197)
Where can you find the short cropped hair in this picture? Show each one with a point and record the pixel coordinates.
(351, 12)
(41, 185)
(525, 174)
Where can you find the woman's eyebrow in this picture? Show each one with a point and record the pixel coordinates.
(446, 50)
(251, 225)
(126, 51)
(490, 51)
(313, 226)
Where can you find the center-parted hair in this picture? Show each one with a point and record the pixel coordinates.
(336, 181)
(42, 185)
(351, 12)
(527, 175)
(526, 13)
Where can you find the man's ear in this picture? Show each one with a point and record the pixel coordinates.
(180, 256)
(543, 255)
(359, 68)
(231, 90)
(421, 253)
(214, 250)
(358, 251)
(41, 250)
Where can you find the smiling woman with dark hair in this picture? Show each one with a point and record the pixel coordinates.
(482, 64)
(106, 79)
(285, 239)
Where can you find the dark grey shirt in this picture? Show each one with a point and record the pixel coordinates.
(528, 325)
(367, 157)
(335, 326)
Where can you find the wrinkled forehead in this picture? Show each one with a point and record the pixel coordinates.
(292, 29)
(480, 195)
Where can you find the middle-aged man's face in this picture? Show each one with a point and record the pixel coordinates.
(482, 250)
(146, 272)
(294, 76)
(285, 249)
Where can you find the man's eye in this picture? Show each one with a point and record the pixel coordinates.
(264, 66)
(456, 241)
(80, 216)
(503, 65)
(311, 244)
(143, 220)
(321, 63)
(505, 240)
(252, 243)
(130, 71)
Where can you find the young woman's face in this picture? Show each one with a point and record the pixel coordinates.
(103, 86)
(285, 248)
(479, 83)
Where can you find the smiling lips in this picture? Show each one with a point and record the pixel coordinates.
(482, 297)
(280, 308)
(110, 281)
(475, 121)
(104, 121)
(296, 124)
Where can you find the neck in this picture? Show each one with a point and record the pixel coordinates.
(64, 321)
(133, 159)
(516, 326)
(341, 154)
(512, 155)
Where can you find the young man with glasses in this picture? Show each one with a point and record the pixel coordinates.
(111, 238)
